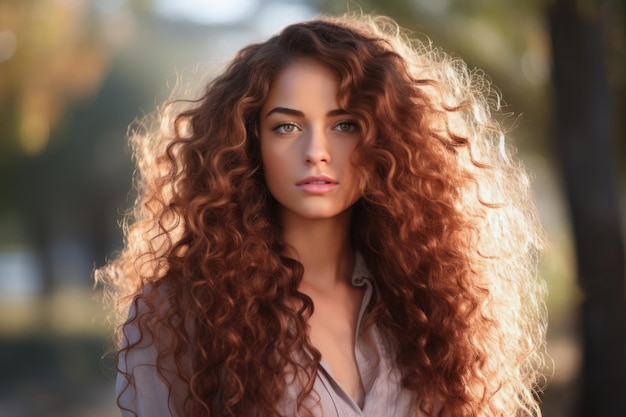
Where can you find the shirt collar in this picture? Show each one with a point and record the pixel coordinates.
(360, 274)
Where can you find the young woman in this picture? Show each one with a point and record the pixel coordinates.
(335, 228)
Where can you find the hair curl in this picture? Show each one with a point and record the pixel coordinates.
(446, 224)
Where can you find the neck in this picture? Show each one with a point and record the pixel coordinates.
(323, 247)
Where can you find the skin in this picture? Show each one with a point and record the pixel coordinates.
(307, 143)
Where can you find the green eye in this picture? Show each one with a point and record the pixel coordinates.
(287, 128)
(346, 127)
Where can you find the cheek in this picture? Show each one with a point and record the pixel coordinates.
(356, 173)
(273, 167)
(267, 155)
(348, 160)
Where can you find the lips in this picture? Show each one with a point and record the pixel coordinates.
(317, 184)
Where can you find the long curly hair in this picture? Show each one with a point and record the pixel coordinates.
(446, 225)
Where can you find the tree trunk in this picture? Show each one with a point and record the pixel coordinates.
(585, 128)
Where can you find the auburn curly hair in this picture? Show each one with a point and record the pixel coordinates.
(446, 225)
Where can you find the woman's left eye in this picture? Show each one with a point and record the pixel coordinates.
(286, 128)
(346, 127)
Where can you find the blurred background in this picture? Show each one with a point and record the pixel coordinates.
(74, 74)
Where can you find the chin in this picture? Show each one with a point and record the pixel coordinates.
(318, 216)
(318, 213)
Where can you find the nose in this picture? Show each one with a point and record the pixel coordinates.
(316, 149)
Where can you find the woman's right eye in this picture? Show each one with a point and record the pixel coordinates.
(287, 128)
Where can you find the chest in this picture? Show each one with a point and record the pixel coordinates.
(333, 330)
(381, 380)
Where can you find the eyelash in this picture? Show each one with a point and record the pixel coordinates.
(280, 127)
(353, 126)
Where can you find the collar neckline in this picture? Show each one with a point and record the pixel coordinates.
(360, 274)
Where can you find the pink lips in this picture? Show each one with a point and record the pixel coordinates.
(318, 184)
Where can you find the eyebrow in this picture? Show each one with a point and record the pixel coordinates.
(298, 113)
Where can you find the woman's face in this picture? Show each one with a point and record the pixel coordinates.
(307, 142)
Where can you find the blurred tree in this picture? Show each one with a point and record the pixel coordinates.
(52, 55)
(585, 133)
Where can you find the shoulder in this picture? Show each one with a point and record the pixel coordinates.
(151, 379)
(146, 309)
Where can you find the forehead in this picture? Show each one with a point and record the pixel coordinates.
(304, 82)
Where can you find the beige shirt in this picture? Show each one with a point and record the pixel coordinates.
(148, 396)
